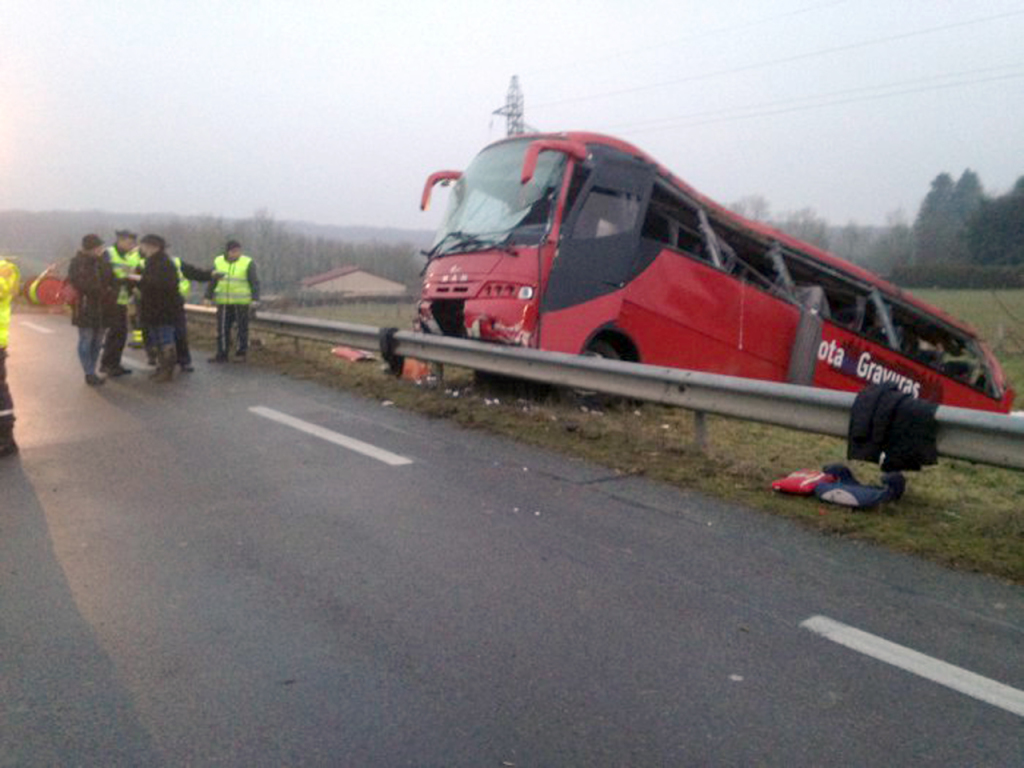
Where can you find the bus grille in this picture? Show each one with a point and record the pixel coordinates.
(450, 316)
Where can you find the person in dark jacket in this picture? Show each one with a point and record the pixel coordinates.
(160, 303)
(93, 277)
(187, 273)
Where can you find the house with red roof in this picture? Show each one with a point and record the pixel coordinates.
(352, 282)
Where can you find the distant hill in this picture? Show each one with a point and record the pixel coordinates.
(287, 251)
(421, 238)
(44, 236)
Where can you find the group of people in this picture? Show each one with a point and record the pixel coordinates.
(105, 280)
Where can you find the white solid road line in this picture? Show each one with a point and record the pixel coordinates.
(34, 327)
(976, 686)
(351, 443)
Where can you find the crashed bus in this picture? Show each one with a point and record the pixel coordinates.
(581, 243)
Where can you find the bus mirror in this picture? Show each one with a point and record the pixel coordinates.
(446, 177)
(577, 150)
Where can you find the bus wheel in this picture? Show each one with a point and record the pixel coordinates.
(597, 401)
(601, 348)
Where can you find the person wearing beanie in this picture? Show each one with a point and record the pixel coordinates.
(158, 284)
(91, 274)
(234, 293)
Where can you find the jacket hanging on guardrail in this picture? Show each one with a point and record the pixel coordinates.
(893, 426)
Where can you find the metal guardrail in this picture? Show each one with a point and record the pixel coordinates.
(963, 433)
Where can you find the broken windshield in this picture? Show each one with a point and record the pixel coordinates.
(489, 206)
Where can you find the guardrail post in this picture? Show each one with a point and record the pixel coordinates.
(700, 431)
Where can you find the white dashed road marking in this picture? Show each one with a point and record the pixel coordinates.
(976, 686)
(393, 459)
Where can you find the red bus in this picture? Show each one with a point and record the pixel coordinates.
(581, 243)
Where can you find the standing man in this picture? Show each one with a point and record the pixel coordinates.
(186, 274)
(8, 290)
(161, 302)
(124, 258)
(92, 276)
(234, 293)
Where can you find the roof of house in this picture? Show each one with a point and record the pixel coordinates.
(334, 274)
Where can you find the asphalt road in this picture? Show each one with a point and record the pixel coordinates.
(212, 572)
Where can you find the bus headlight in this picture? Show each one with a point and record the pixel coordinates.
(526, 292)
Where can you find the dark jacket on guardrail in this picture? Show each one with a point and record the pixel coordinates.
(886, 421)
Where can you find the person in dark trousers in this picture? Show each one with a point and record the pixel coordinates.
(91, 274)
(9, 278)
(186, 274)
(124, 259)
(160, 303)
(234, 293)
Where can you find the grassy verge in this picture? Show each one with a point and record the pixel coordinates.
(965, 516)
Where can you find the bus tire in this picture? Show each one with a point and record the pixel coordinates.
(595, 400)
(601, 348)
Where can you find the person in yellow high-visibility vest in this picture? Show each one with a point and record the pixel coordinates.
(125, 259)
(9, 279)
(234, 293)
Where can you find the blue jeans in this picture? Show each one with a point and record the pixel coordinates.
(161, 335)
(90, 341)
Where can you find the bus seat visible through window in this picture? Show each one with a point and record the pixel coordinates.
(605, 213)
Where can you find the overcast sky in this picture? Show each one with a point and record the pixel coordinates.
(335, 112)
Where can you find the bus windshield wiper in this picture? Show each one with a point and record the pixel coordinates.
(455, 237)
(462, 241)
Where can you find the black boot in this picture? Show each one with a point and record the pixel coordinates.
(7, 445)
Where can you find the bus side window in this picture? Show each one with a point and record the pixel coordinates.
(657, 227)
(851, 315)
(690, 241)
(606, 212)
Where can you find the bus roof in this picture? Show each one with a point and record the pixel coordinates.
(760, 230)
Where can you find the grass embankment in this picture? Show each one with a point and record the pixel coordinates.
(963, 515)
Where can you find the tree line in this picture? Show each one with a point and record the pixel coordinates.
(285, 256)
(960, 237)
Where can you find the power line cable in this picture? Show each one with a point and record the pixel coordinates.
(835, 102)
(783, 60)
(868, 90)
(702, 35)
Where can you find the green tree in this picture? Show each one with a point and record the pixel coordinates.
(939, 227)
(994, 234)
